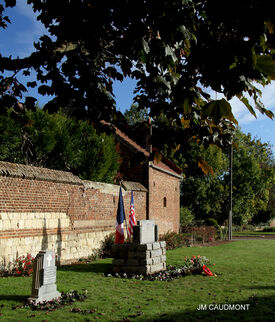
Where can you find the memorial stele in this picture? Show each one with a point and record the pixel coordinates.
(44, 277)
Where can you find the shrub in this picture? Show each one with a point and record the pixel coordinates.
(186, 216)
(237, 228)
(204, 233)
(105, 250)
(248, 227)
(23, 265)
(269, 229)
(173, 240)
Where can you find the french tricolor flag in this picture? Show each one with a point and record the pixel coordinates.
(120, 217)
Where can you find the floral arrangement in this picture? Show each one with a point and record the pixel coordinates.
(65, 299)
(193, 265)
(23, 265)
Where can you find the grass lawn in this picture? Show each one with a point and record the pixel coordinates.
(245, 275)
(253, 233)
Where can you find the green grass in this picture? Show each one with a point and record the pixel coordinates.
(245, 275)
(253, 233)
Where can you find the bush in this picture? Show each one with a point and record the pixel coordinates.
(237, 228)
(105, 250)
(248, 227)
(173, 240)
(186, 216)
(269, 229)
(204, 233)
(23, 265)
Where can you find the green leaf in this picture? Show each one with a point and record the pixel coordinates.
(145, 46)
(218, 109)
(186, 106)
(185, 32)
(169, 52)
(266, 65)
(246, 103)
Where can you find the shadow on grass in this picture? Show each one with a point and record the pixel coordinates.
(18, 298)
(254, 309)
(260, 287)
(87, 267)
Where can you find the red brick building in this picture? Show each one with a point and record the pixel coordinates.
(161, 179)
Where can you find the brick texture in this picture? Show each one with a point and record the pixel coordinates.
(64, 215)
(41, 205)
(164, 200)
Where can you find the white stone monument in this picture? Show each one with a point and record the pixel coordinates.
(44, 277)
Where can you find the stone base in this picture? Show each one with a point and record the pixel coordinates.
(139, 258)
(45, 293)
(47, 297)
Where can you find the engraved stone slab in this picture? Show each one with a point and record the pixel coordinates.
(44, 277)
(145, 232)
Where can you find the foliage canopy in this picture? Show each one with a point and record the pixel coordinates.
(58, 142)
(174, 49)
(253, 182)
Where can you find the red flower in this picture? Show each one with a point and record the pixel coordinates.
(207, 271)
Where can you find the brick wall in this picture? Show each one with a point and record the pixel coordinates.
(44, 210)
(164, 200)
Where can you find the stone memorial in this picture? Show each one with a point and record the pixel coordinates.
(44, 277)
(146, 255)
(145, 232)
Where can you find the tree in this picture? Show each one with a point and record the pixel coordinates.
(206, 195)
(172, 48)
(58, 142)
(253, 178)
(135, 115)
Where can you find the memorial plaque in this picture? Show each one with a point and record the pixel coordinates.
(145, 232)
(49, 275)
(44, 277)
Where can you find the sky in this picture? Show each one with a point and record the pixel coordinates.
(18, 38)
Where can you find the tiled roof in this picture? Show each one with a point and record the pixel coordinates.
(134, 186)
(130, 142)
(15, 170)
(164, 163)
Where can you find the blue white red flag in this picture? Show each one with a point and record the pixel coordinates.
(120, 217)
(132, 217)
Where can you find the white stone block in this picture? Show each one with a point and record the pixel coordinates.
(4, 216)
(21, 224)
